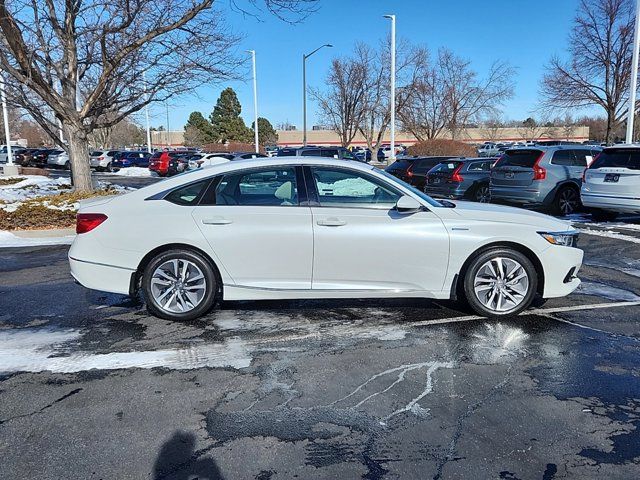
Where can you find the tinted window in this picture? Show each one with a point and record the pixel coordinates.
(267, 187)
(583, 157)
(154, 156)
(287, 152)
(96, 153)
(111, 153)
(311, 153)
(189, 194)
(563, 157)
(445, 167)
(400, 165)
(622, 158)
(479, 167)
(423, 166)
(519, 158)
(344, 188)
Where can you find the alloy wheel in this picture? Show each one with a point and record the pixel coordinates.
(178, 285)
(501, 284)
(568, 201)
(483, 195)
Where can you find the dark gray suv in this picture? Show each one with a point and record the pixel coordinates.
(458, 178)
(547, 178)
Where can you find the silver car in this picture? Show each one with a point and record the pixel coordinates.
(612, 183)
(547, 178)
(59, 158)
(101, 159)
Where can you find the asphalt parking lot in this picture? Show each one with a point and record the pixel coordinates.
(93, 387)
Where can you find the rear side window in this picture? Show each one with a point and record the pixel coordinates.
(399, 165)
(189, 194)
(583, 157)
(563, 157)
(479, 167)
(312, 153)
(519, 158)
(618, 159)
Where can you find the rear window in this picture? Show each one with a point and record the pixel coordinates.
(155, 155)
(445, 167)
(400, 165)
(519, 158)
(97, 153)
(111, 153)
(287, 152)
(618, 159)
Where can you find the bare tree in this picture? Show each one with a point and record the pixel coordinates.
(79, 63)
(599, 68)
(342, 104)
(492, 126)
(533, 130)
(411, 62)
(451, 95)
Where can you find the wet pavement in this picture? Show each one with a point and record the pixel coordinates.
(94, 387)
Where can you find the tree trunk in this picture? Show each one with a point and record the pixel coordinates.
(78, 149)
(609, 127)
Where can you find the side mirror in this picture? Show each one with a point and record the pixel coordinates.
(407, 204)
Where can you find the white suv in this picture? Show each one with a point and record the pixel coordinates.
(611, 184)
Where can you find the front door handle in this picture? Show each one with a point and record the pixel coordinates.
(331, 222)
(216, 221)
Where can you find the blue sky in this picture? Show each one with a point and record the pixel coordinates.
(524, 33)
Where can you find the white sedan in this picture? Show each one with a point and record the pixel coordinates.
(304, 227)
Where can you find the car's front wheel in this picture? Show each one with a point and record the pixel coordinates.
(500, 282)
(179, 285)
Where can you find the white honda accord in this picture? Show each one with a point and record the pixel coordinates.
(292, 228)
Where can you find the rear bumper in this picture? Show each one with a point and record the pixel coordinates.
(106, 278)
(518, 195)
(610, 202)
(561, 265)
(98, 163)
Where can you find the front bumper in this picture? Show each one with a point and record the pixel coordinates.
(561, 265)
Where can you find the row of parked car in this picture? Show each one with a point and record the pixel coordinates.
(557, 179)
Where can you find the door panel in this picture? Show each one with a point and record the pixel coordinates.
(363, 249)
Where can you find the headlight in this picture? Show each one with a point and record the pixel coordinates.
(565, 239)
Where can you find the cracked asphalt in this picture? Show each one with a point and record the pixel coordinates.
(91, 386)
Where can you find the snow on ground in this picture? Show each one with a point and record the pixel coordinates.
(35, 186)
(133, 172)
(8, 239)
(609, 234)
(607, 291)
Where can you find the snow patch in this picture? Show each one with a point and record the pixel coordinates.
(133, 172)
(609, 234)
(46, 350)
(607, 291)
(8, 239)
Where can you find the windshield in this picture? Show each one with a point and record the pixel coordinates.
(414, 190)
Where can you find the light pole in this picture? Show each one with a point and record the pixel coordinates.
(634, 76)
(304, 92)
(146, 111)
(255, 99)
(393, 86)
(167, 107)
(5, 117)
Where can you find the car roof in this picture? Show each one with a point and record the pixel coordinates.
(626, 146)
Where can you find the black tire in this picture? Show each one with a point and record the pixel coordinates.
(603, 215)
(108, 168)
(210, 276)
(481, 193)
(480, 260)
(566, 201)
(67, 166)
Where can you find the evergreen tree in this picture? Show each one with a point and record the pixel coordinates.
(266, 133)
(226, 121)
(199, 128)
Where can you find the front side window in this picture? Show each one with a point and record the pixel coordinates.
(272, 186)
(344, 188)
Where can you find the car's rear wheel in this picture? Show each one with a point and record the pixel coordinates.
(500, 282)
(567, 201)
(482, 193)
(179, 285)
(109, 168)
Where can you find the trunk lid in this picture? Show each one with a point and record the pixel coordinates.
(516, 168)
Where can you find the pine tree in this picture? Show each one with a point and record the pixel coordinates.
(266, 133)
(227, 124)
(199, 128)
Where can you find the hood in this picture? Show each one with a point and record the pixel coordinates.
(503, 214)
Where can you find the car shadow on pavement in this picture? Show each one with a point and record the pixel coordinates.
(178, 460)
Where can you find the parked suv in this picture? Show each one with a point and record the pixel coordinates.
(58, 158)
(612, 182)
(329, 152)
(131, 159)
(461, 178)
(413, 170)
(548, 178)
(102, 159)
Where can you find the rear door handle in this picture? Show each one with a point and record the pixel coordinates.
(216, 221)
(331, 222)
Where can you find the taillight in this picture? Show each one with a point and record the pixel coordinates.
(456, 177)
(85, 222)
(100, 158)
(539, 173)
(410, 171)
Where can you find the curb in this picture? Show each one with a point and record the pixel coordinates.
(53, 233)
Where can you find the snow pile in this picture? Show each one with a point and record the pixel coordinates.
(134, 172)
(348, 187)
(8, 239)
(610, 234)
(33, 186)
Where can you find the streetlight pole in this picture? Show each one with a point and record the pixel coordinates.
(304, 92)
(167, 107)
(255, 99)
(634, 76)
(393, 86)
(146, 111)
(5, 117)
